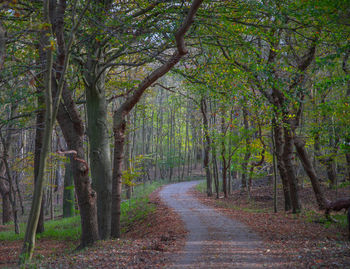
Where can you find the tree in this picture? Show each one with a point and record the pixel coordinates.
(119, 117)
(51, 111)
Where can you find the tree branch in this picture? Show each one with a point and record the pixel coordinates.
(162, 70)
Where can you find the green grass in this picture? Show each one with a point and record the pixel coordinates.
(135, 209)
(202, 187)
(138, 207)
(61, 229)
(312, 216)
(10, 235)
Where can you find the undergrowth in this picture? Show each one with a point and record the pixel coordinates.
(138, 207)
(309, 215)
(336, 219)
(133, 210)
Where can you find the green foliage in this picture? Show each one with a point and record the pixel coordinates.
(339, 220)
(342, 185)
(135, 171)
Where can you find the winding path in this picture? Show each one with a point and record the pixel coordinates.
(214, 240)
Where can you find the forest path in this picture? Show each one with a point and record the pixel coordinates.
(214, 240)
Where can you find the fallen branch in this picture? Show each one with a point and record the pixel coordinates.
(343, 203)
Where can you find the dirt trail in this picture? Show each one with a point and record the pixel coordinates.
(214, 240)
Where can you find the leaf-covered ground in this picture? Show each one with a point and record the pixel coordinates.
(301, 239)
(147, 244)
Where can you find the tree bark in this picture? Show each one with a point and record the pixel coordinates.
(206, 143)
(287, 160)
(4, 186)
(73, 131)
(278, 133)
(40, 121)
(7, 215)
(119, 125)
(307, 164)
(223, 153)
(100, 159)
(247, 153)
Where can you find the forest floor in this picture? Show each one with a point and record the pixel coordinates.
(275, 240)
(303, 241)
(147, 244)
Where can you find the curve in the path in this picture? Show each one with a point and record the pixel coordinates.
(214, 240)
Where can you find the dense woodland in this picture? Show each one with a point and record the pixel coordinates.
(99, 96)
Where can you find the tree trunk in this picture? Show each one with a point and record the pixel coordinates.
(216, 174)
(100, 159)
(280, 164)
(39, 127)
(206, 143)
(287, 160)
(307, 164)
(7, 215)
(72, 128)
(247, 153)
(119, 126)
(29, 238)
(223, 153)
(331, 173)
(127, 158)
(68, 192)
(347, 155)
(73, 131)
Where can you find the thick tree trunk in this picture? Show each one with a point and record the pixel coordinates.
(72, 128)
(119, 126)
(309, 169)
(100, 159)
(280, 165)
(287, 160)
(7, 215)
(73, 131)
(4, 188)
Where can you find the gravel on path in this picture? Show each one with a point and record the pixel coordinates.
(214, 240)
